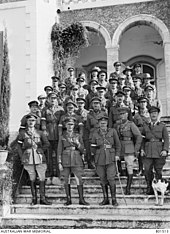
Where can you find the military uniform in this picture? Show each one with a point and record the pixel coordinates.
(131, 139)
(31, 146)
(83, 114)
(106, 146)
(49, 121)
(156, 140)
(70, 151)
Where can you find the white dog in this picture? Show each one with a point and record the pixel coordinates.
(161, 186)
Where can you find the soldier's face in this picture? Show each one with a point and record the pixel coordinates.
(113, 84)
(80, 105)
(70, 127)
(136, 83)
(70, 108)
(154, 116)
(34, 109)
(103, 124)
(143, 104)
(93, 87)
(94, 74)
(53, 100)
(117, 68)
(31, 122)
(102, 77)
(149, 93)
(120, 99)
(124, 116)
(96, 105)
(121, 81)
(101, 93)
(42, 100)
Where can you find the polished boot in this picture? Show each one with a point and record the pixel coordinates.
(129, 182)
(149, 190)
(105, 195)
(68, 194)
(43, 200)
(81, 198)
(113, 194)
(119, 165)
(34, 193)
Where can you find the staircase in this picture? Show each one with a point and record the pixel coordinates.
(136, 211)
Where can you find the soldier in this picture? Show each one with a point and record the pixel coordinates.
(70, 151)
(128, 100)
(92, 93)
(102, 79)
(155, 149)
(55, 82)
(105, 103)
(70, 113)
(128, 73)
(147, 79)
(41, 98)
(49, 121)
(117, 66)
(31, 146)
(34, 109)
(62, 95)
(106, 147)
(137, 91)
(121, 82)
(94, 73)
(112, 90)
(141, 118)
(81, 82)
(82, 112)
(152, 101)
(130, 138)
(92, 123)
(114, 113)
(137, 71)
(71, 80)
(48, 89)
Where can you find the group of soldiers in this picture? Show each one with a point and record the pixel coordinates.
(98, 122)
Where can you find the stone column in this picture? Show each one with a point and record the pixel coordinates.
(112, 56)
(167, 75)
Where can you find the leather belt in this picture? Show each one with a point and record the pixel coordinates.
(70, 148)
(125, 138)
(153, 140)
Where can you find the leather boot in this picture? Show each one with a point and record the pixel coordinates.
(149, 190)
(105, 195)
(129, 182)
(34, 193)
(119, 165)
(43, 200)
(113, 194)
(68, 194)
(81, 198)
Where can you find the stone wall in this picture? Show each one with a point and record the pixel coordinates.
(110, 17)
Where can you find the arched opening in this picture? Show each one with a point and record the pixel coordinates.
(95, 54)
(147, 36)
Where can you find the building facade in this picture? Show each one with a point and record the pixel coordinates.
(126, 30)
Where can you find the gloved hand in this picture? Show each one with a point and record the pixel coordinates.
(163, 153)
(142, 153)
(117, 158)
(60, 167)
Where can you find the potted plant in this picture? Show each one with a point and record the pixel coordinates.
(4, 102)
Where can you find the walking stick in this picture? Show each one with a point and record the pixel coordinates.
(19, 180)
(120, 183)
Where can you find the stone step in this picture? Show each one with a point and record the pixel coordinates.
(141, 210)
(88, 189)
(85, 221)
(92, 198)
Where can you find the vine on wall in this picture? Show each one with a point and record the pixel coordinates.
(66, 45)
